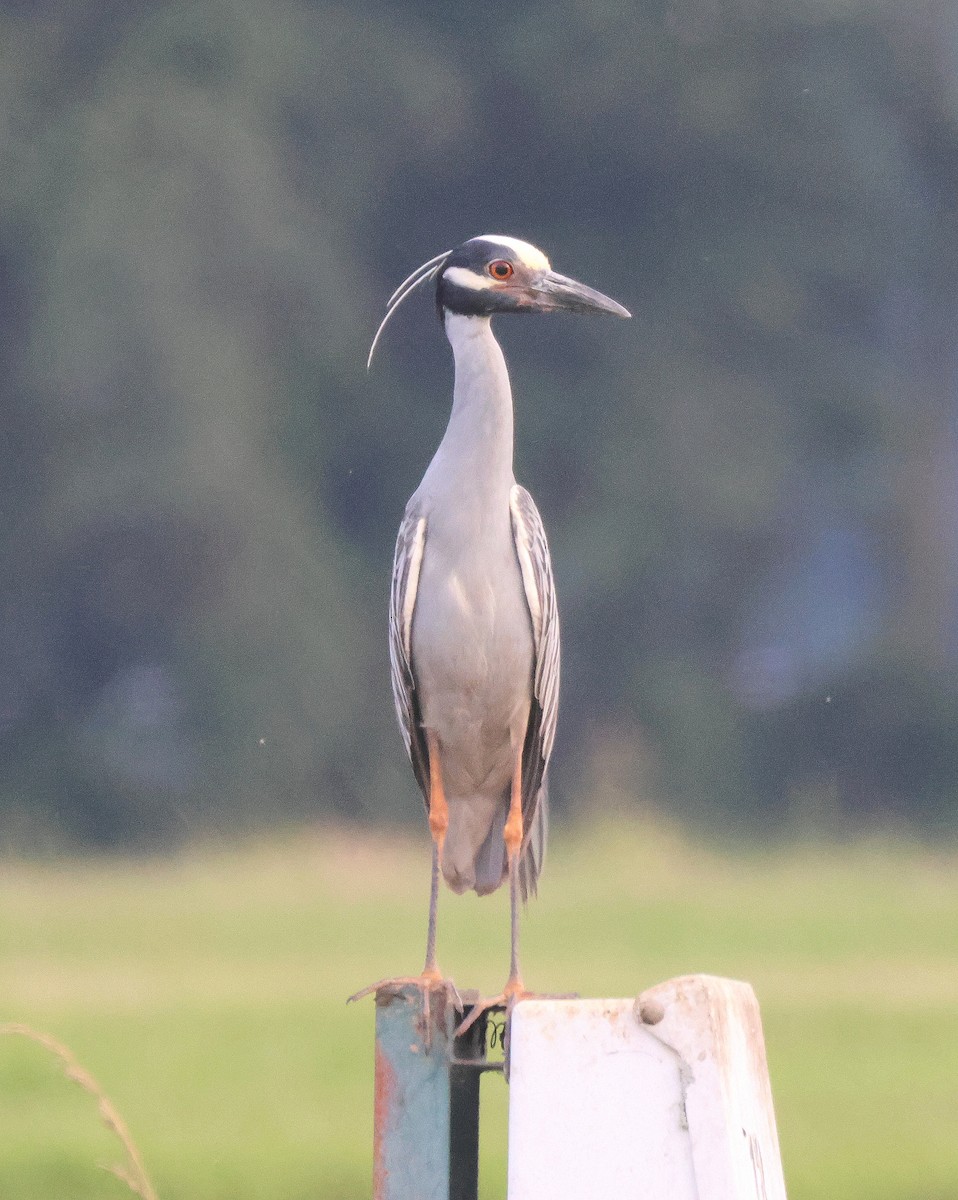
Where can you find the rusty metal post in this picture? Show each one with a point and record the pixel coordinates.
(426, 1125)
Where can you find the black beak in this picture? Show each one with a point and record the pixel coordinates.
(552, 292)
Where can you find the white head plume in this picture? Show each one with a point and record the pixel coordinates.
(428, 270)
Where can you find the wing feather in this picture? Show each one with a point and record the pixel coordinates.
(407, 564)
(535, 563)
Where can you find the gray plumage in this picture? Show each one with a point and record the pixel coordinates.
(473, 621)
(474, 627)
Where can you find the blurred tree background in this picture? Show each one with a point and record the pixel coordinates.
(751, 490)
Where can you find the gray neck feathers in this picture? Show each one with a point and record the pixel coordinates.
(477, 447)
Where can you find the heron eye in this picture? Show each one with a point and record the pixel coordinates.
(501, 269)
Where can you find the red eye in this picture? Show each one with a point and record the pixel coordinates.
(501, 269)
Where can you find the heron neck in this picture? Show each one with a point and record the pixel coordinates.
(479, 434)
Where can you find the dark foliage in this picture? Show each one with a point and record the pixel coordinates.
(750, 490)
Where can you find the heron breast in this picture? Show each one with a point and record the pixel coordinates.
(472, 657)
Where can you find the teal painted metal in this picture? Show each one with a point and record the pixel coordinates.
(426, 1126)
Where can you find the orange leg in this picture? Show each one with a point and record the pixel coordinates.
(438, 808)
(431, 977)
(438, 824)
(513, 832)
(515, 989)
(512, 836)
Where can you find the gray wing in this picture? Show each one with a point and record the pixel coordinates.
(532, 550)
(407, 564)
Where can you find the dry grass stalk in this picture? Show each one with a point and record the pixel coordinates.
(132, 1173)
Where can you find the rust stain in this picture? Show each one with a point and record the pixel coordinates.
(385, 1092)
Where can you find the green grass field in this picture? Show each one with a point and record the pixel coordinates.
(206, 992)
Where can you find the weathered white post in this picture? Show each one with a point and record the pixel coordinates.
(665, 1097)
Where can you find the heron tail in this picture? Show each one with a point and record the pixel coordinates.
(487, 868)
(490, 863)
(473, 856)
(492, 867)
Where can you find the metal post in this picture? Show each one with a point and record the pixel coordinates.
(426, 1125)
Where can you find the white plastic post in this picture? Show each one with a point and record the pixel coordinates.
(665, 1097)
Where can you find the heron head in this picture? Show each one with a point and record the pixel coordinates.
(495, 274)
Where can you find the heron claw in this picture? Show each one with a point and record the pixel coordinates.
(428, 982)
(507, 999)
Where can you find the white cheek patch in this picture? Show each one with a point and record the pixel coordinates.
(527, 254)
(463, 277)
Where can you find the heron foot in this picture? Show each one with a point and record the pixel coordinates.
(430, 981)
(507, 999)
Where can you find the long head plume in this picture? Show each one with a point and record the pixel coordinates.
(428, 270)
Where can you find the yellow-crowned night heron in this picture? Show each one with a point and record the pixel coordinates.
(473, 623)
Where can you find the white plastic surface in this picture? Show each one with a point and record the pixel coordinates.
(603, 1104)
